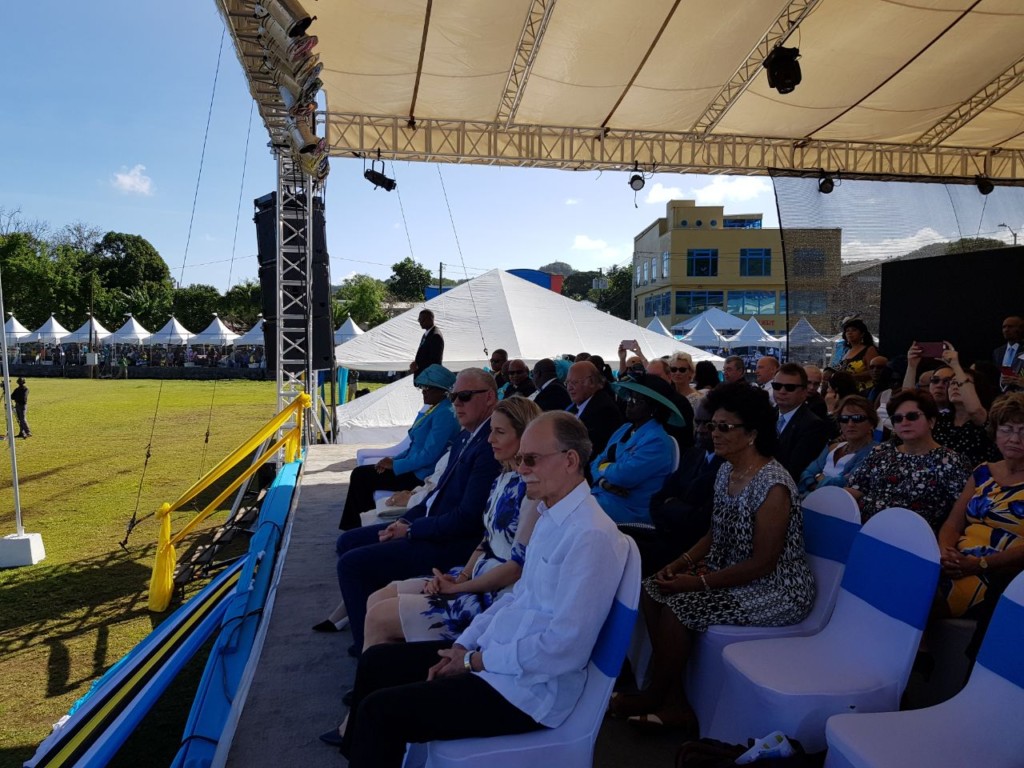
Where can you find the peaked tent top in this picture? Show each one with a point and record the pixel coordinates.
(803, 334)
(656, 326)
(15, 331)
(172, 334)
(720, 320)
(499, 310)
(215, 333)
(348, 331)
(50, 332)
(132, 332)
(252, 337)
(91, 330)
(753, 335)
(703, 334)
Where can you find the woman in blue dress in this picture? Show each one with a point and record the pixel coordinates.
(441, 606)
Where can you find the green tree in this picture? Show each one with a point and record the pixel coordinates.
(26, 281)
(241, 304)
(580, 286)
(616, 298)
(558, 268)
(125, 261)
(409, 280)
(362, 297)
(194, 305)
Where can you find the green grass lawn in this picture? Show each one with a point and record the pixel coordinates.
(64, 621)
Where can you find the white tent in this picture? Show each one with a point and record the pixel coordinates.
(703, 335)
(172, 334)
(50, 332)
(500, 310)
(382, 417)
(803, 334)
(348, 331)
(253, 337)
(91, 331)
(132, 332)
(753, 335)
(720, 320)
(16, 332)
(216, 334)
(656, 326)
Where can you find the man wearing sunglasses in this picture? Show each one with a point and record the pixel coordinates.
(802, 435)
(519, 380)
(442, 530)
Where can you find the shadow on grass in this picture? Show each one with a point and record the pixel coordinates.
(15, 757)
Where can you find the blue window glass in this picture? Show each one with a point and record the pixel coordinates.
(695, 302)
(755, 262)
(808, 262)
(666, 259)
(752, 302)
(702, 262)
(754, 223)
(666, 303)
(808, 302)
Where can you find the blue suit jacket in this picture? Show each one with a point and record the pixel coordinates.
(430, 436)
(460, 498)
(641, 465)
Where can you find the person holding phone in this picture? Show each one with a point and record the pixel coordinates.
(938, 381)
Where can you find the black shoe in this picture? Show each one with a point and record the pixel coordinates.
(325, 626)
(332, 737)
(347, 698)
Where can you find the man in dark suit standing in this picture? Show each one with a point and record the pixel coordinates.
(551, 394)
(431, 348)
(442, 531)
(592, 404)
(802, 435)
(1011, 354)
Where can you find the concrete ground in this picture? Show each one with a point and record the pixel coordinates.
(296, 692)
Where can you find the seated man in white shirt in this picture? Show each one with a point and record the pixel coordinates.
(521, 665)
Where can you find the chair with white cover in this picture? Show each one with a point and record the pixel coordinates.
(860, 661)
(570, 745)
(831, 520)
(979, 726)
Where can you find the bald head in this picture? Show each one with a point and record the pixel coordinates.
(766, 369)
(582, 382)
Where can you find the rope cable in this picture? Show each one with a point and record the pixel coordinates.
(401, 207)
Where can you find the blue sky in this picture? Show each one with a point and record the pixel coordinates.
(104, 124)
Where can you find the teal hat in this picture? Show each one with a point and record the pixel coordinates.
(658, 391)
(436, 376)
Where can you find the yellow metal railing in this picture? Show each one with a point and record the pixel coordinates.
(161, 583)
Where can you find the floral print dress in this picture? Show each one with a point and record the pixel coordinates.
(444, 617)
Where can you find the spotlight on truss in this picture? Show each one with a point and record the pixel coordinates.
(984, 184)
(288, 13)
(783, 69)
(303, 139)
(377, 178)
(826, 184)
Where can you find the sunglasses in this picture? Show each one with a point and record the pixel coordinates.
(678, 370)
(855, 419)
(465, 395)
(777, 385)
(911, 416)
(530, 459)
(723, 426)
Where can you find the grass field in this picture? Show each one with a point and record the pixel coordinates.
(64, 621)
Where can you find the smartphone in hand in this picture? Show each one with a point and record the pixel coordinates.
(931, 348)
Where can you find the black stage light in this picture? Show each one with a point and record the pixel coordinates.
(636, 182)
(826, 184)
(984, 185)
(378, 179)
(783, 69)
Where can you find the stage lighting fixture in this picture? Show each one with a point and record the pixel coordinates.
(295, 107)
(273, 37)
(377, 178)
(636, 181)
(288, 13)
(826, 184)
(302, 136)
(984, 185)
(783, 69)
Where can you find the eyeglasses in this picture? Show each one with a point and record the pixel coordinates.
(465, 395)
(518, 373)
(530, 459)
(940, 379)
(723, 426)
(1007, 430)
(678, 370)
(777, 385)
(858, 418)
(910, 416)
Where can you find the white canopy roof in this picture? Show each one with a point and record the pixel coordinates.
(252, 337)
(91, 331)
(656, 326)
(348, 331)
(172, 334)
(704, 335)
(500, 310)
(753, 335)
(383, 416)
(132, 332)
(16, 332)
(216, 333)
(804, 334)
(50, 332)
(720, 320)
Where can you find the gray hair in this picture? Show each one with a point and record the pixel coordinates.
(570, 434)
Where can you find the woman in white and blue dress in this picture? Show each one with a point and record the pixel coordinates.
(441, 606)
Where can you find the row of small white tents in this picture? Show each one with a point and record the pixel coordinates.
(716, 329)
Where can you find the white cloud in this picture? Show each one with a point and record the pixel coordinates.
(585, 243)
(134, 182)
(599, 253)
(722, 190)
(860, 250)
(572, 201)
(661, 194)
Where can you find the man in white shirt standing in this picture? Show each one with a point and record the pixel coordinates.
(521, 665)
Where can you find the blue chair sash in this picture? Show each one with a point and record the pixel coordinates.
(896, 582)
(828, 537)
(610, 648)
(1000, 650)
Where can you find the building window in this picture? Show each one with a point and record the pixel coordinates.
(654, 268)
(808, 302)
(808, 262)
(646, 271)
(666, 259)
(741, 223)
(683, 223)
(695, 302)
(666, 303)
(647, 306)
(752, 302)
(702, 262)
(755, 262)
(638, 274)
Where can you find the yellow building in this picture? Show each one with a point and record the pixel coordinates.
(699, 257)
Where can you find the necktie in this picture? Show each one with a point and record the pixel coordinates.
(781, 425)
(1010, 355)
(573, 409)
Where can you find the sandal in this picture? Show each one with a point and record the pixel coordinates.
(666, 720)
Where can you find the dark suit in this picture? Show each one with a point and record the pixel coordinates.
(801, 441)
(1000, 352)
(441, 539)
(553, 397)
(601, 417)
(431, 349)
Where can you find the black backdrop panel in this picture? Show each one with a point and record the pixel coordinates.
(961, 298)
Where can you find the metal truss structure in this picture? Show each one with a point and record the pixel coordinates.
(595, 149)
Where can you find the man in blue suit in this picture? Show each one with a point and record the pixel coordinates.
(442, 531)
(429, 437)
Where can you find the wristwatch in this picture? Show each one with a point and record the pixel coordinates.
(983, 563)
(467, 661)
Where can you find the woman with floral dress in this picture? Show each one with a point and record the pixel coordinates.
(442, 606)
